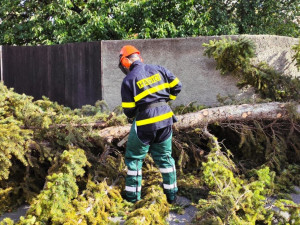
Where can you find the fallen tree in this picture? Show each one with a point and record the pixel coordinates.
(39, 155)
(231, 113)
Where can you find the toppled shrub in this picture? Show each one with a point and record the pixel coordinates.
(235, 57)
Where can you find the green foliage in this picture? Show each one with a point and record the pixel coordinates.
(191, 107)
(7, 221)
(152, 209)
(234, 200)
(32, 22)
(261, 143)
(268, 17)
(34, 134)
(271, 84)
(231, 56)
(296, 57)
(14, 141)
(4, 199)
(54, 201)
(96, 204)
(192, 185)
(60, 202)
(288, 178)
(289, 207)
(235, 57)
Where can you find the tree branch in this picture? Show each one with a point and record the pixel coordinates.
(76, 8)
(232, 113)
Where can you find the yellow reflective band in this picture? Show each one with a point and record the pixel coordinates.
(174, 82)
(154, 119)
(128, 104)
(172, 97)
(151, 91)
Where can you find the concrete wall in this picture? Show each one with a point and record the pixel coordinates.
(184, 57)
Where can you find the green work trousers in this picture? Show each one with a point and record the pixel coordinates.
(136, 151)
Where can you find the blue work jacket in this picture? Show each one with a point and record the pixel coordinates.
(146, 84)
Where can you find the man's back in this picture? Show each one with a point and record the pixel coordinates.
(147, 84)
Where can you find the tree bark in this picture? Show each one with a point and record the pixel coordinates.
(231, 113)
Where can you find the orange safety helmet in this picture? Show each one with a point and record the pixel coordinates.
(126, 51)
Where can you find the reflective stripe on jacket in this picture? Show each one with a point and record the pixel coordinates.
(147, 84)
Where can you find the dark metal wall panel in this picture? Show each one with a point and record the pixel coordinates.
(93, 57)
(57, 76)
(69, 74)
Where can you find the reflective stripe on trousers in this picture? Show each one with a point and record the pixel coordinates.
(170, 172)
(133, 179)
(161, 153)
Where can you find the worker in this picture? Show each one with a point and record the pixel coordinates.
(145, 91)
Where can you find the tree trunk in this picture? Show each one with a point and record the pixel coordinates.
(231, 113)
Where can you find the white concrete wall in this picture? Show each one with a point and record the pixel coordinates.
(184, 57)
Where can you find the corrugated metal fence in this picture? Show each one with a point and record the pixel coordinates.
(69, 74)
